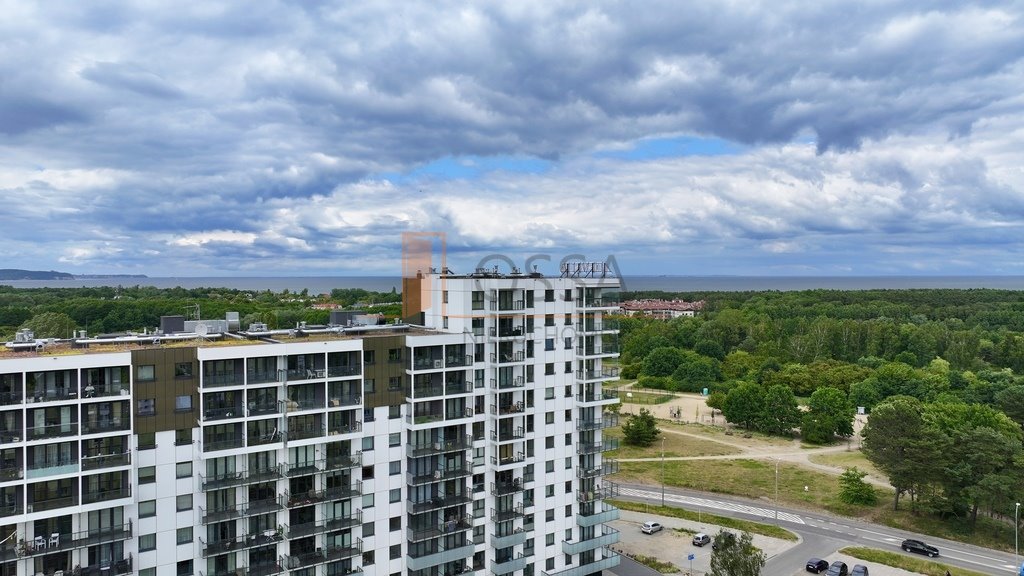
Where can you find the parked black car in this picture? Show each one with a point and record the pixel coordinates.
(859, 570)
(838, 568)
(723, 538)
(919, 547)
(817, 565)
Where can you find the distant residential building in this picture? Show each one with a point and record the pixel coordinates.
(662, 309)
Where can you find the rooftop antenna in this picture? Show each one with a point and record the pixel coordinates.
(193, 310)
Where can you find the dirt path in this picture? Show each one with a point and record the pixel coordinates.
(693, 406)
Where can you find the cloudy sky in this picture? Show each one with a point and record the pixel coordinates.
(277, 138)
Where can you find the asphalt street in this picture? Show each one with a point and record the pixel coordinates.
(821, 534)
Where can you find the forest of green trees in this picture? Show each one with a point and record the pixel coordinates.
(939, 370)
(56, 312)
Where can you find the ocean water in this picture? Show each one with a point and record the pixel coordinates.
(324, 284)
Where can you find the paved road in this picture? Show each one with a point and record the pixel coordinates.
(821, 534)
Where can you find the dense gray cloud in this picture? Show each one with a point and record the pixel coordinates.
(287, 137)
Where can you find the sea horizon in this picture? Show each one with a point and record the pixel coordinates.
(666, 283)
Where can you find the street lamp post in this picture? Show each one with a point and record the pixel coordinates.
(1016, 516)
(776, 490)
(663, 471)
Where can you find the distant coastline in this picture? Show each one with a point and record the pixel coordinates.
(19, 274)
(324, 284)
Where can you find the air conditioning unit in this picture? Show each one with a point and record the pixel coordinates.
(438, 364)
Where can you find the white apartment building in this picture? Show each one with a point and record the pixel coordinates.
(467, 441)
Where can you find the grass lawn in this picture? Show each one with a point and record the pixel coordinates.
(676, 446)
(851, 459)
(916, 565)
(729, 436)
(631, 397)
(735, 523)
(750, 479)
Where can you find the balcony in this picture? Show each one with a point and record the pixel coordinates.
(597, 375)
(52, 467)
(604, 349)
(240, 543)
(504, 488)
(603, 397)
(592, 519)
(304, 432)
(506, 332)
(52, 503)
(264, 506)
(510, 564)
(80, 540)
(609, 559)
(304, 468)
(508, 435)
(333, 553)
(106, 425)
(263, 408)
(343, 461)
(439, 503)
(508, 460)
(596, 303)
(607, 421)
(421, 533)
(606, 468)
(595, 447)
(458, 387)
(52, 394)
(52, 431)
(339, 400)
(440, 446)
(7, 436)
(458, 361)
(506, 409)
(304, 404)
(267, 377)
(604, 325)
(345, 491)
(11, 398)
(459, 413)
(108, 568)
(221, 514)
(93, 496)
(217, 380)
(230, 479)
(506, 514)
(106, 461)
(304, 560)
(343, 371)
(602, 493)
(223, 444)
(8, 473)
(342, 522)
(420, 392)
(438, 555)
(267, 437)
(295, 374)
(427, 364)
(350, 426)
(508, 383)
(264, 569)
(607, 537)
(512, 538)
(508, 358)
(11, 509)
(439, 474)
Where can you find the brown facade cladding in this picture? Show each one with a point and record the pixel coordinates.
(412, 299)
(383, 368)
(175, 373)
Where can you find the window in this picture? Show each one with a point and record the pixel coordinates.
(549, 295)
(568, 322)
(368, 558)
(394, 495)
(549, 564)
(394, 355)
(182, 437)
(367, 443)
(147, 407)
(147, 542)
(549, 540)
(147, 572)
(183, 403)
(549, 515)
(184, 568)
(393, 412)
(444, 322)
(147, 474)
(368, 472)
(369, 356)
(394, 439)
(549, 344)
(183, 502)
(549, 442)
(568, 514)
(394, 468)
(549, 368)
(367, 500)
(395, 551)
(568, 391)
(183, 470)
(478, 299)
(369, 529)
(395, 523)
(568, 345)
(183, 370)
(147, 508)
(549, 466)
(568, 367)
(146, 372)
(549, 393)
(184, 535)
(549, 319)
(568, 415)
(568, 463)
(549, 417)
(568, 295)
(568, 487)
(368, 386)
(444, 296)
(568, 439)
(147, 440)
(368, 415)
(394, 383)
(549, 490)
